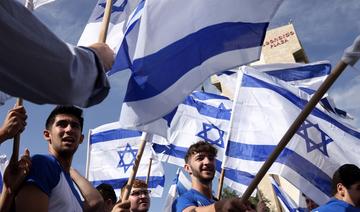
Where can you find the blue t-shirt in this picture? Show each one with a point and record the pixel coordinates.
(47, 174)
(191, 198)
(336, 205)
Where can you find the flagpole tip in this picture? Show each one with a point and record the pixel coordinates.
(352, 53)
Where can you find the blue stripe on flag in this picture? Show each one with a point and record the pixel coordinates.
(249, 81)
(207, 96)
(158, 71)
(283, 199)
(238, 176)
(287, 157)
(154, 181)
(301, 72)
(113, 135)
(208, 110)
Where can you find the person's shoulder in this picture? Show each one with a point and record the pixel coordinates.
(335, 205)
(187, 199)
(44, 162)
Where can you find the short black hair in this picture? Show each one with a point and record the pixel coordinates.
(347, 174)
(200, 146)
(68, 110)
(107, 192)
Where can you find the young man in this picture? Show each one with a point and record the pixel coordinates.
(346, 190)
(49, 186)
(200, 164)
(139, 196)
(108, 194)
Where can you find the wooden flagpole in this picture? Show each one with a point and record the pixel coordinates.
(126, 194)
(148, 172)
(106, 20)
(16, 144)
(221, 183)
(340, 67)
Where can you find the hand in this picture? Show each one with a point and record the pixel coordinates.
(16, 172)
(232, 204)
(122, 206)
(14, 123)
(261, 206)
(105, 54)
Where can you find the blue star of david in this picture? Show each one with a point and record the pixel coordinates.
(310, 143)
(204, 134)
(113, 8)
(127, 150)
(222, 106)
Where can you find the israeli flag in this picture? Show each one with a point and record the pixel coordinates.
(120, 12)
(306, 77)
(176, 45)
(181, 184)
(265, 108)
(112, 153)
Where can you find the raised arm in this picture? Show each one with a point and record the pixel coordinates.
(15, 122)
(93, 199)
(39, 67)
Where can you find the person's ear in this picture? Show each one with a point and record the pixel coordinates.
(187, 168)
(81, 138)
(46, 135)
(341, 189)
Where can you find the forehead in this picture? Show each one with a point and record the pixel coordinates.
(202, 154)
(69, 117)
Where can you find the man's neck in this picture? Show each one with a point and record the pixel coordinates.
(65, 162)
(204, 188)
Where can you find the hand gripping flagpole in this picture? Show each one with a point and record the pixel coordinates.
(19, 102)
(105, 23)
(350, 57)
(126, 194)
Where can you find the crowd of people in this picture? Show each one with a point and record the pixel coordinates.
(51, 182)
(48, 182)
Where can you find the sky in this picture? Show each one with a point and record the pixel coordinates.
(325, 29)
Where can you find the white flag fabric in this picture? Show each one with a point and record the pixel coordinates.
(3, 163)
(175, 45)
(121, 10)
(265, 108)
(181, 184)
(112, 153)
(34, 4)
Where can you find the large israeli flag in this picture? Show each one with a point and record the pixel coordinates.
(265, 108)
(112, 153)
(176, 45)
(181, 184)
(121, 10)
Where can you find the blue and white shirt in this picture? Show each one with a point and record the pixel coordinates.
(47, 174)
(191, 198)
